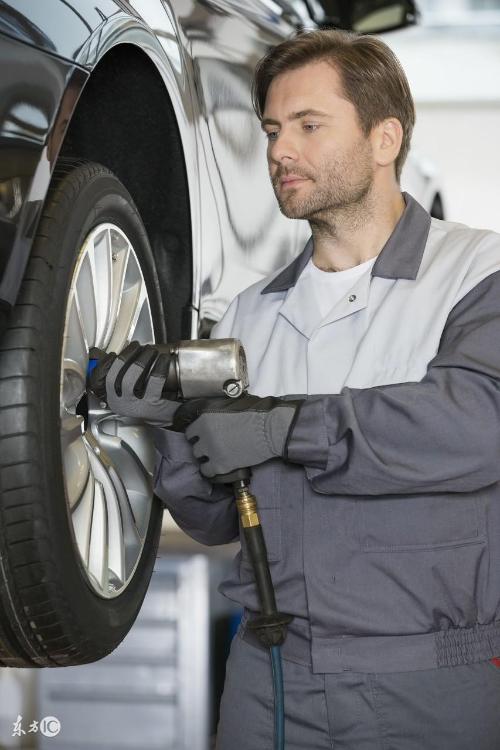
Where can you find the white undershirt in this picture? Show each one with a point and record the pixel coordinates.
(328, 287)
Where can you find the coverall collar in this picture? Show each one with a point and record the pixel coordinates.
(400, 257)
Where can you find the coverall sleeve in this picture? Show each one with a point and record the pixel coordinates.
(440, 434)
(205, 511)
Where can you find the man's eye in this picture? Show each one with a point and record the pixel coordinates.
(313, 125)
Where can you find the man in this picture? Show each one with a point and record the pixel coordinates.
(377, 464)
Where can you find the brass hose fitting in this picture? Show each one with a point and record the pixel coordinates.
(247, 508)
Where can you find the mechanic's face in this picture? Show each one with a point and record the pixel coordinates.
(328, 151)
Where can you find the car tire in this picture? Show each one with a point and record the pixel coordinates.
(50, 615)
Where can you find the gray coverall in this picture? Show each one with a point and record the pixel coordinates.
(383, 530)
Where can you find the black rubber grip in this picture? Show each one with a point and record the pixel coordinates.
(238, 475)
(258, 555)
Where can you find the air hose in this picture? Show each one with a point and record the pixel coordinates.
(270, 626)
(279, 699)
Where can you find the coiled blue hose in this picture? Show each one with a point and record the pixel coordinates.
(279, 699)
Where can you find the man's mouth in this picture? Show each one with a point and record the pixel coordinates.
(289, 182)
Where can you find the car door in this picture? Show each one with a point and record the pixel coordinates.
(245, 236)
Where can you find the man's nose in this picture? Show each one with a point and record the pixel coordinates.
(282, 148)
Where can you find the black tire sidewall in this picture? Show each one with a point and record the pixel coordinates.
(106, 620)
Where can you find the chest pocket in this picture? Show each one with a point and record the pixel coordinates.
(265, 485)
(414, 522)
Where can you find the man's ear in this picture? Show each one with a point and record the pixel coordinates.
(387, 137)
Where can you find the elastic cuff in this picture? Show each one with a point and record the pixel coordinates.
(308, 440)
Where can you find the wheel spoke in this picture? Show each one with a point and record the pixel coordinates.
(142, 327)
(120, 255)
(75, 457)
(82, 518)
(101, 262)
(73, 384)
(133, 299)
(86, 299)
(98, 548)
(137, 437)
(123, 538)
(76, 347)
(131, 469)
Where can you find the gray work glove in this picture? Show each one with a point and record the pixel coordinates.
(229, 434)
(133, 383)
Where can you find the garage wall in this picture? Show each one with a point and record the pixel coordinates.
(459, 141)
(454, 74)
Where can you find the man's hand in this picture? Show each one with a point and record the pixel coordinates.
(229, 434)
(133, 383)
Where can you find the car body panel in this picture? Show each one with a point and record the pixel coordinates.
(38, 92)
(244, 236)
(55, 26)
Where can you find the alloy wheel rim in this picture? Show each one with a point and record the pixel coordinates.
(108, 460)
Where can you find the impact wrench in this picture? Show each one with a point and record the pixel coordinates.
(207, 368)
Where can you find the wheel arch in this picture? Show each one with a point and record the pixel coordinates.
(124, 120)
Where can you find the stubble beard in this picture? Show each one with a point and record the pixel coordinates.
(336, 191)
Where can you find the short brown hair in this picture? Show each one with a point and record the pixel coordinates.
(371, 75)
